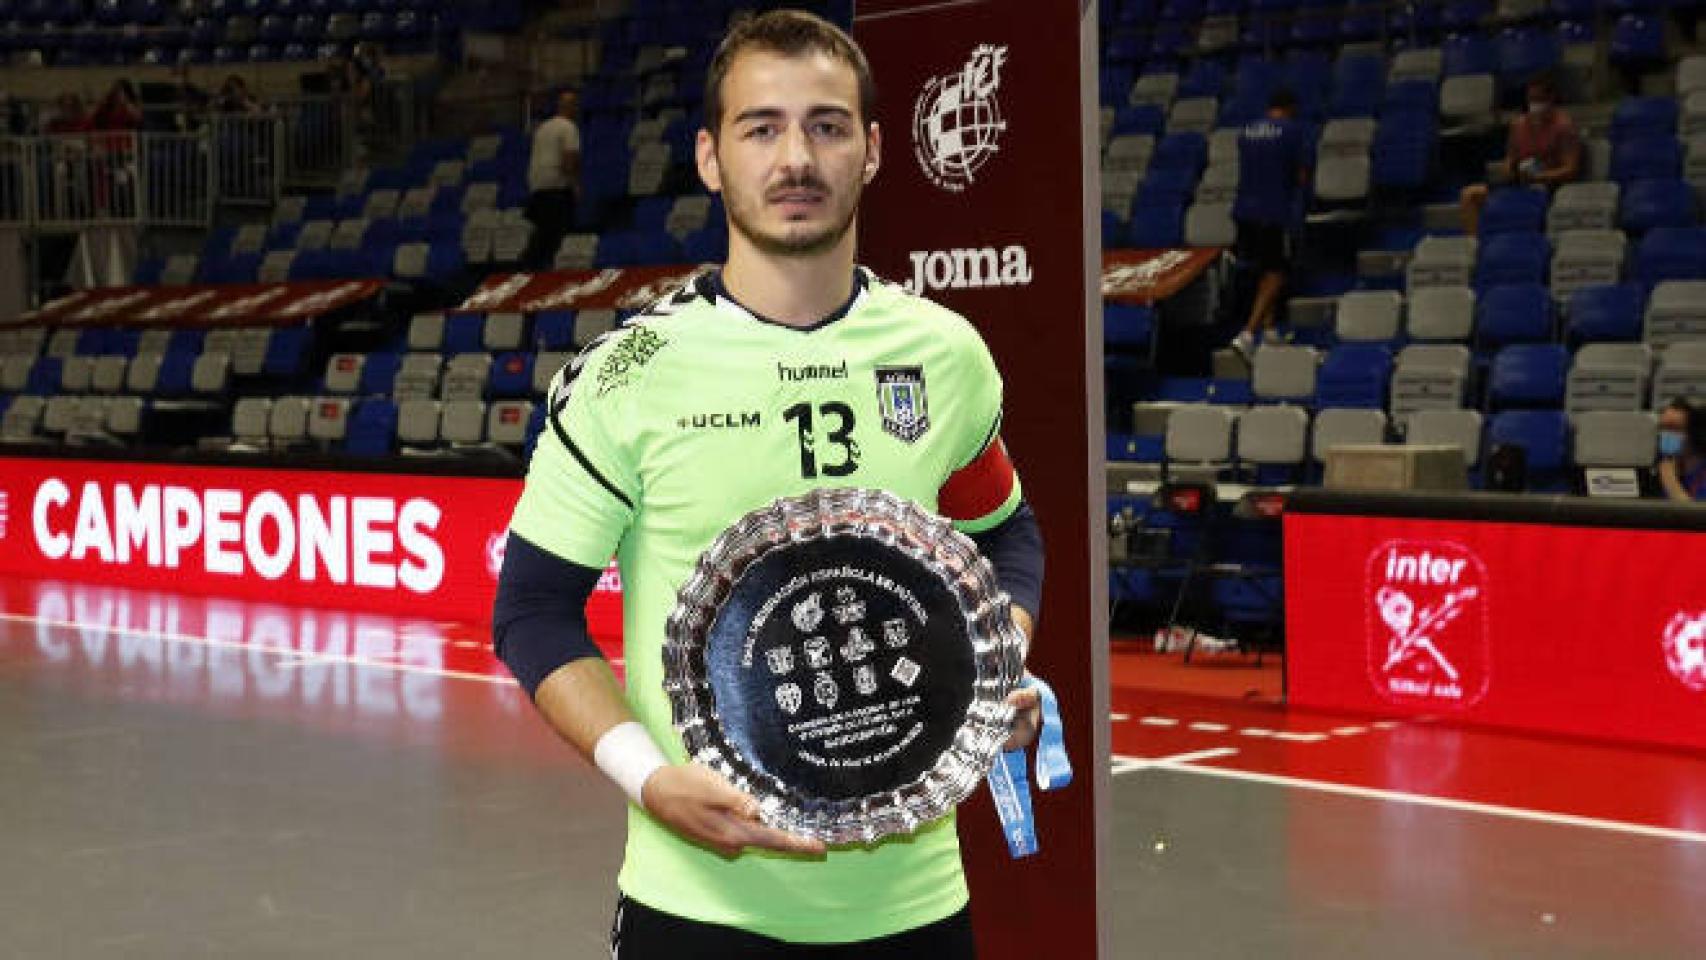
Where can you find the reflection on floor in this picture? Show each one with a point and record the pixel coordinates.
(200, 777)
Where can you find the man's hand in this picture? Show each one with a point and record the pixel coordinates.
(1027, 719)
(703, 807)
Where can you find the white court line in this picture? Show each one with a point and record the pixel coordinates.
(1159, 722)
(1119, 717)
(306, 657)
(1350, 731)
(1204, 726)
(1256, 732)
(1424, 800)
(1296, 737)
(1131, 764)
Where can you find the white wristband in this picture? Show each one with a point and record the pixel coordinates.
(627, 755)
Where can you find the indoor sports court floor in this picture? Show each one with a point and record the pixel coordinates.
(182, 777)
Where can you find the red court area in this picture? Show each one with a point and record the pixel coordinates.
(1222, 714)
(1232, 726)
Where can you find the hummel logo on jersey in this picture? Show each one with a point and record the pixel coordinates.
(811, 371)
(720, 421)
(973, 268)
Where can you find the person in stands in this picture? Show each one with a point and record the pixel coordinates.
(1544, 150)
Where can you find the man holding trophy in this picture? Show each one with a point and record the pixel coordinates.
(818, 667)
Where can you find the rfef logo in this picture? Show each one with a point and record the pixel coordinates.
(956, 120)
(1427, 623)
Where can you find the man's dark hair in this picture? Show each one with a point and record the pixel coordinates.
(1283, 100)
(1696, 432)
(790, 33)
(1547, 84)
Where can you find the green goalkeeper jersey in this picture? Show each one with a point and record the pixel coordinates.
(663, 433)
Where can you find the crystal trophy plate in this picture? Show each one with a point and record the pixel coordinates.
(844, 657)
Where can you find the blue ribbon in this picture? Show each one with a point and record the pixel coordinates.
(1009, 785)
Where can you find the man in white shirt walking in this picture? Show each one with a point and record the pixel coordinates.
(553, 178)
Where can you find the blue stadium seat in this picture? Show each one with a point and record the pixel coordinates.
(1141, 118)
(1647, 204)
(1411, 98)
(1524, 52)
(463, 333)
(1637, 41)
(511, 375)
(1514, 210)
(1180, 151)
(445, 261)
(708, 244)
(1354, 375)
(1359, 83)
(1205, 78)
(1403, 152)
(1128, 326)
(1166, 186)
(1135, 448)
(320, 206)
(1466, 53)
(1544, 435)
(175, 370)
(1466, 14)
(1158, 228)
(1519, 313)
(1671, 253)
(44, 376)
(379, 372)
(287, 350)
(148, 272)
(554, 329)
(372, 428)
(1529, 375)
(535, 426)
(1513, 258)
(1607, 313)
(1637, 117)
(238, 268)
(1646, 157)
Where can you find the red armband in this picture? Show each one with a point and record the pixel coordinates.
(980, 487)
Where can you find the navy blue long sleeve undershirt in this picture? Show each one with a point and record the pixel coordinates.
(539, 617)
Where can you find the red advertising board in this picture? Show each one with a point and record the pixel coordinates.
(1150, 276)
(402, 544)
(625, 288)
(204, 304)
(1586, 631)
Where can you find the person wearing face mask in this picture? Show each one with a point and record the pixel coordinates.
(1544, 150)
(1682, 451)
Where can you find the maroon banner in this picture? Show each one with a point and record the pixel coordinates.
(627, 288)
(237, 304)
(984, 202)
(1150, 276)
(364, 541)
(1582, 631)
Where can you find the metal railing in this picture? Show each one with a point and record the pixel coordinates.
(110, 178)
(58, 182)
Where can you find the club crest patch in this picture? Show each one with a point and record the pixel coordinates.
(901, 399)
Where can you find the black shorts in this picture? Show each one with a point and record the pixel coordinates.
(641, 933)
(1265, 245)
